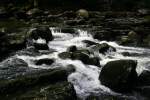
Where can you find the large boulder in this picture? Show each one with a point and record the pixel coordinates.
(41, 32)
(31, 78)
(119, 75)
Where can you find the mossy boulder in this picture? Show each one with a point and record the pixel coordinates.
(82, 13)
(119, 75)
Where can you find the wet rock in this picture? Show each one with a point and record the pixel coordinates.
(144, 78)
(82, 13)
(45, 61)
(80, 56)
(41, 46)
(89, 43)
(119, 75)
(72, 49)
(65, 55)
(41, 32)
(103, 48)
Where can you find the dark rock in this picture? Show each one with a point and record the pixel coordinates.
(41, 46)
(89, 43)
(44, 61)
(95, 61)
(144, 78)
(41, 32)
(80, 56)
(119, 75)
(72, 49)
(103, 48)
(65, 55)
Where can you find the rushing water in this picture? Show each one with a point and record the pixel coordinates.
(85, 79)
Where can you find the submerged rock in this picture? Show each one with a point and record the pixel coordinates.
(119, 75)
(41, 32)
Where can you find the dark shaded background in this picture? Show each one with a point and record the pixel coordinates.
(87, 4)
